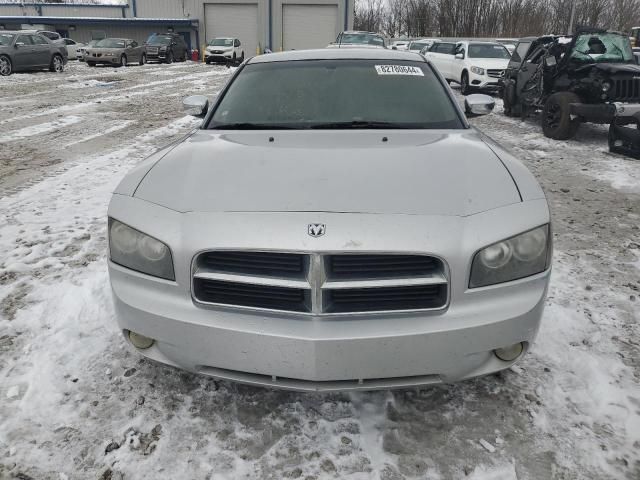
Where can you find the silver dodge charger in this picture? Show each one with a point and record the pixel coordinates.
(333, 224)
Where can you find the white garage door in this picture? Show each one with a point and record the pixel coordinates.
(308, 26)
(233, 20)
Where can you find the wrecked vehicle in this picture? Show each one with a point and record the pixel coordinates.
(591, 76)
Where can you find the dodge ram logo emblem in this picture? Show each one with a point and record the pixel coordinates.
(316, 229)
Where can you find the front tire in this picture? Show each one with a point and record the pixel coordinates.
(91, 64)
(556, 116)
(6, 67)
(57, 64)
(170, 57)
(242, 57)
(123, 61)
(143, 59)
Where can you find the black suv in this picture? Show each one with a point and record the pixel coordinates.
(166, 47)
(591, 76)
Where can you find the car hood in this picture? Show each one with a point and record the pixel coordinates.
(612, 68)
(415, 173)
(489, 63)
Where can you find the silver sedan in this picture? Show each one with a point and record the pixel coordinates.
(334, 224)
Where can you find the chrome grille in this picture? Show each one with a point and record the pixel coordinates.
(627, 88)
(320, 283)
(495, 73)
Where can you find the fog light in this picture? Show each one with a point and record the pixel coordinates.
(140, 341)
(510, 353)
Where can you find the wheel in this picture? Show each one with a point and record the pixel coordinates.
(123, 61)
(242, 57)
(143, 59)
(556, 116)
(511, 109)
(170, 57)
(234, 60)
(57, 64)
(5, 66)
(465, 89)
(91, 64)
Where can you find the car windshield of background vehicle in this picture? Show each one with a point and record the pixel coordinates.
(159, 40)
(6, 39)
(221, 42)
(361, 39)
(110, 43)
(478, 50)
(602, 47)
(417, 46)
(336, 94)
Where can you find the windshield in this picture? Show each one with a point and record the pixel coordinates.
(417, 46)
(221, 42)
(110, 43)
(159, 40)
(361, 39)
(488, 50)
(602, 47)
(336, 94)
(5, 39)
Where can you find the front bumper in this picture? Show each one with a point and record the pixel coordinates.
(330, 352)
(218, 57)
(103, 60)
(484, 82)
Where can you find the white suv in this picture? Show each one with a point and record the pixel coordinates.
(224, 50)
(474, 65)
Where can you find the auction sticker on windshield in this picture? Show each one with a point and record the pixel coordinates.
(398, 70)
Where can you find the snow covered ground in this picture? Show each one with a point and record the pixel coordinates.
(76, 403)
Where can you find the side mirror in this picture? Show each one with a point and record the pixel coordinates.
(196, 105)
(478, 104)
(460, 56)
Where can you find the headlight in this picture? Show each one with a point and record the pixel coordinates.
(517, 257)
(135, 250)
(477, 70)
(606, 86)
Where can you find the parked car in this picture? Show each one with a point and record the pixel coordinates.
(224, 50)
(27, 50)
(474, 65)
(308, 236)
(418, 45)
(400, 45)
(589, 77)
(74, 48)
(82, 51)
(166, 47)
(116, 51)
(359, 39)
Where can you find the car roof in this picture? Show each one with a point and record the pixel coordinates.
(361, 31)
(338, 54)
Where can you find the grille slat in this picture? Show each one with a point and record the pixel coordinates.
(360, 266)
(626, 89)
(381, 299)
(259, 296)
(262, 263)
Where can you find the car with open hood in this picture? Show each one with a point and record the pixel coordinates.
(334, 223)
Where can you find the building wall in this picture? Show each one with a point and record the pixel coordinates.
(195, 9)
(27, 9)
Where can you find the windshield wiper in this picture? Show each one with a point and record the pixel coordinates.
(359, 124)
(252, 126)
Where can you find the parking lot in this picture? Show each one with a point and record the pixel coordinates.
(77, 403)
